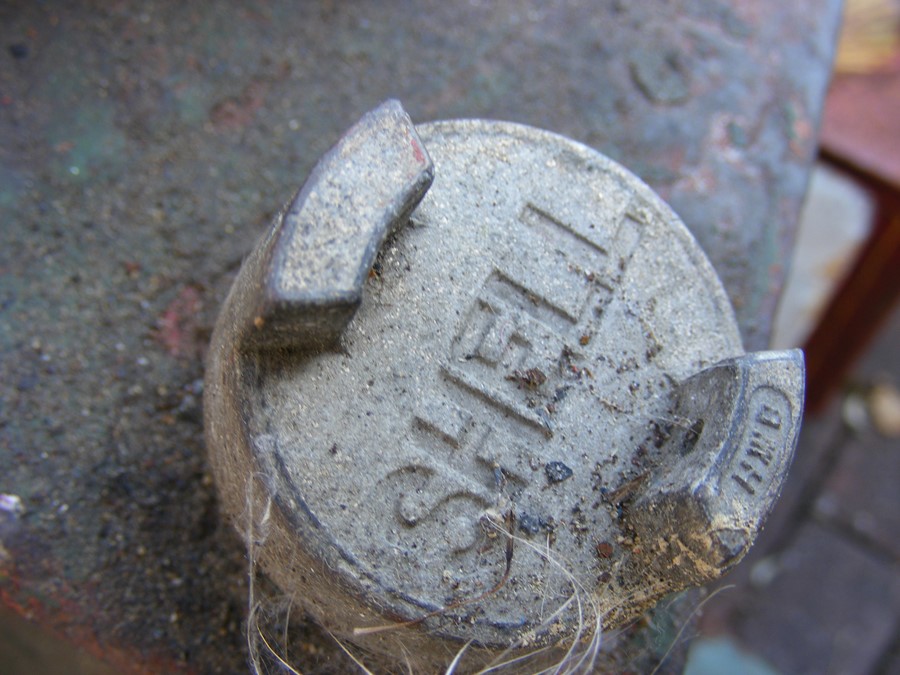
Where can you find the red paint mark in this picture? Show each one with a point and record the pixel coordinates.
(66, 621)
(179, 327)
(239, 111)
(132, 268)
(417, 151)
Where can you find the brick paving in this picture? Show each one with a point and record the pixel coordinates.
(820, 592)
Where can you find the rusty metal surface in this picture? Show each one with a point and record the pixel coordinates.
(142, 148)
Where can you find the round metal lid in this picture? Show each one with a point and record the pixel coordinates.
(514, 352)
(458, 459)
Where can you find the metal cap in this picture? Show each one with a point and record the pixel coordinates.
(463, 412)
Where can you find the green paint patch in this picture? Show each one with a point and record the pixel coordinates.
(193, 101)
(88, 143)
(737, 135)
(12, 186)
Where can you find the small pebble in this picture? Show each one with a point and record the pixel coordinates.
(530, 524)
(557, 472)
(884, 409)
(11, 504)
(604, 549)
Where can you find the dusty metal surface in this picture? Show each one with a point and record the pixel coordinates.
(142, 146)
(526, 412)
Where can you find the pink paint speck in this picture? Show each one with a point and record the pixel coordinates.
(417, 151)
